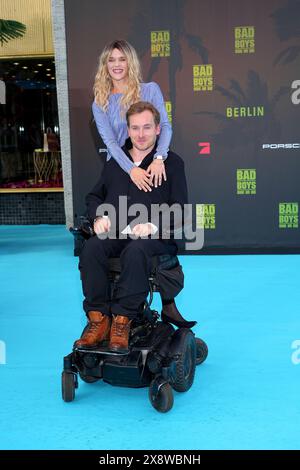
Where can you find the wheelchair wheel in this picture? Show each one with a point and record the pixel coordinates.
(68, 386)
(201, 351)
(161, 395)
(184, 364)
(89, 379)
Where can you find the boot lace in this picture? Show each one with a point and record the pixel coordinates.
(119, 329)
(91, 329)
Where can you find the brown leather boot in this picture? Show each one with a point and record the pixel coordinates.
(119, 334)
(95, 332)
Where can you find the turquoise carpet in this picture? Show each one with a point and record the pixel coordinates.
(245, 396)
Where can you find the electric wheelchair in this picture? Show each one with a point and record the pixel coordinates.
(159, 356)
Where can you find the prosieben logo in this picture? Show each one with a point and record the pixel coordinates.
(295, 97)
(295, 145)
(204, 148)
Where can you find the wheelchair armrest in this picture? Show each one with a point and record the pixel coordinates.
(85, 229)
(81, 233)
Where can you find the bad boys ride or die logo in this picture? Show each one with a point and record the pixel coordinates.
(246, 181)
(160, 43)
(244, 39)
(206, 216)
(288, 215)
(203, 77)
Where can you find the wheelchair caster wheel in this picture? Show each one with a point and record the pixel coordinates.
(201, 351)
(68, 383)
(161, 395)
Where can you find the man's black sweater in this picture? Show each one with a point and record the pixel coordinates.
(114, 182)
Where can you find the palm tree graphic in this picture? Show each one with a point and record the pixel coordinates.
(286, 21)
(155, 15)
(239, 132)
(10, 29)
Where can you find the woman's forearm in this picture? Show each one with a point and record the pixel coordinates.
(109, 139)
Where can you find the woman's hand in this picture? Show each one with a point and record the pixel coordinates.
(157, 172)
(141, 179)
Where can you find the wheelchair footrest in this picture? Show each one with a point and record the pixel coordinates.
(102, 350)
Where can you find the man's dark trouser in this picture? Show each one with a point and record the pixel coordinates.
(133, 285)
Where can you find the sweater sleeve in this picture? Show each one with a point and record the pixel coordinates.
(166, 128)
(109, 138)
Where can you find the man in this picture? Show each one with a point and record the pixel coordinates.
(110, 320)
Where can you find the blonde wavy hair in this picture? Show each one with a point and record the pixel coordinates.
(103, 84)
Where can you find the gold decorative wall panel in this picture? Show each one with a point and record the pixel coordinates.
(36, 15)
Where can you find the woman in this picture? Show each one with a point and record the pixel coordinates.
(118, 84)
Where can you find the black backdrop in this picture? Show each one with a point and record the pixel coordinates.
(230, 74)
